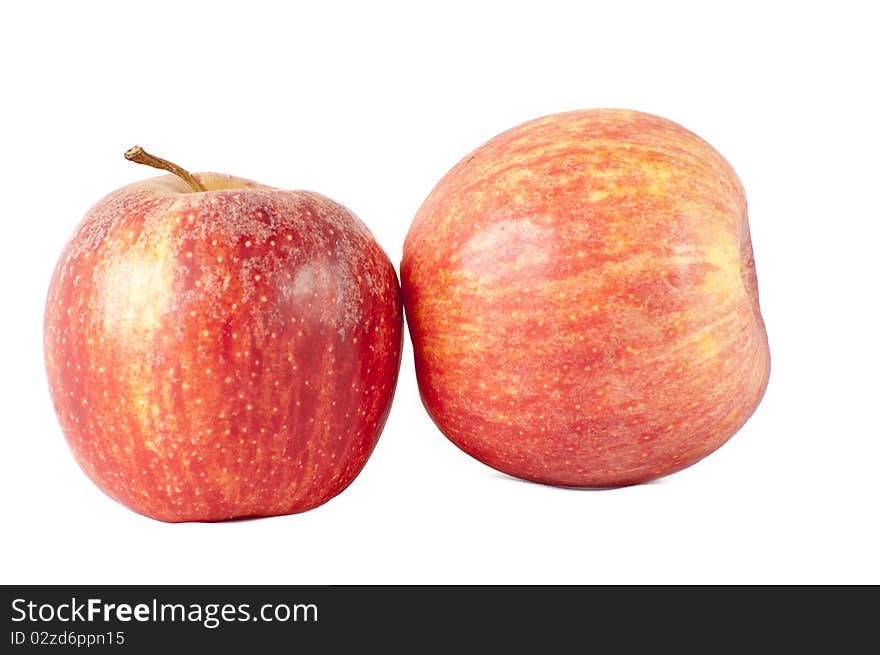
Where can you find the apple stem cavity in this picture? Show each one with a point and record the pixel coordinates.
(141, 156)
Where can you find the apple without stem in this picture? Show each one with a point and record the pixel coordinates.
(582, 300)
(217, 348)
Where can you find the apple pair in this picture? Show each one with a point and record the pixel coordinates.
(580, 292)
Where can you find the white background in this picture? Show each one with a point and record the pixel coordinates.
(370, 103)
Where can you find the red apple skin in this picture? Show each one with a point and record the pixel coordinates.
(582, 300)
(231, 353)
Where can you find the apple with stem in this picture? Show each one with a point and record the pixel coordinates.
(582, 300)
(217, 348)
